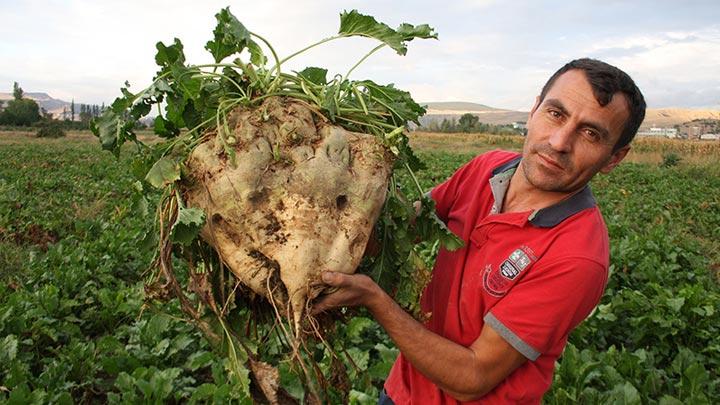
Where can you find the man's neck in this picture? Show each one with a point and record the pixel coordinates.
(523, 196)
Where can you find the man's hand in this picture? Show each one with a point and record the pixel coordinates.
(351, 290)
(475, 370)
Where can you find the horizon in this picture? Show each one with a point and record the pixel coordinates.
(717, 107)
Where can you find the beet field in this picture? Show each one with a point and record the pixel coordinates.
(75, 326)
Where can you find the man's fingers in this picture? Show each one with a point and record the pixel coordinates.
(318, 307)
(333, 279)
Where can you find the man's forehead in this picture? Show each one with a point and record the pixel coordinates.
(576, 83)
(573, 90)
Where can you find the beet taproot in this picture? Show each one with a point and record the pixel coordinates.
(302, 198)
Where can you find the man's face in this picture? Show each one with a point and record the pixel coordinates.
(571, 137)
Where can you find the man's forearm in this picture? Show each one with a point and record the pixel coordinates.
(464, 372)
(452, 367)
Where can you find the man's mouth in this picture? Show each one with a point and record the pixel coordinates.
(551, 162)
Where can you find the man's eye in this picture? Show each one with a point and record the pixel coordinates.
(554, 113)
(592, 135)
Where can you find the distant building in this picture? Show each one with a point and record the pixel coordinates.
(519, 125)
(695, 129)
(710, 137)
(671, 133)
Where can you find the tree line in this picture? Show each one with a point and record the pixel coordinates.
(470, 123)
(23, 112)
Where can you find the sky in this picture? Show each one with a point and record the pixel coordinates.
(493, 52)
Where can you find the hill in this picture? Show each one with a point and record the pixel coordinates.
(668, 117)
(52, 105)
(654, 117)
(457, 106)
(437, 111)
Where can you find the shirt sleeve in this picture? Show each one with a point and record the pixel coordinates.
(547, 304)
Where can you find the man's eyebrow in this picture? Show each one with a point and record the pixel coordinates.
(555, 103)
(601, 130)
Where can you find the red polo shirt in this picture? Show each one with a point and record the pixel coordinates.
(532, 276)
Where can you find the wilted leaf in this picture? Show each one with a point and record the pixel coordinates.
(165, 171)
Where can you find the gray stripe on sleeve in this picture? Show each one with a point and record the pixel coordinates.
(514, 340)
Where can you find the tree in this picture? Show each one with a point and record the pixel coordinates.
(17, 91)
(468, 122)
(21, 112)
(72, 110)
(85, 113)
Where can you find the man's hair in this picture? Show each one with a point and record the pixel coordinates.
(606, 80)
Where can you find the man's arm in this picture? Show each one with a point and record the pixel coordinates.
(466, 373)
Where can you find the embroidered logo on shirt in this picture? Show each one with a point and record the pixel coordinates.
(497, 281)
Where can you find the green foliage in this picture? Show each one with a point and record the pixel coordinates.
(73, 327)
(670, 159)
(17, 91)
(470, 123)
(22, 112)
(51, 129)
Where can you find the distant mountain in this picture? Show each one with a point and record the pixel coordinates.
(654, 117)
(438, 111)
(668, 117)
(52, 105)
(457, 106)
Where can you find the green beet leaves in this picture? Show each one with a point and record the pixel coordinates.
(190, 101)
(355, 24)
(232, 37)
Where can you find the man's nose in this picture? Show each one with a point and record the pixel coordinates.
(561, 139)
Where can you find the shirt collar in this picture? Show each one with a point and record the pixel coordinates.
(550, 216)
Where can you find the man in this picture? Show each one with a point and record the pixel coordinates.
(536, 253)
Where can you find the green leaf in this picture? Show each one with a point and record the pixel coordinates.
(232, 37)
(670, 400)
(199, 359)
(112, 130)
(8, 348)
(165, 171)
(167, 56)
(356, 326)
(165, 128)
(355, 24)
(409, 31)
(397, 102)
(626, 394)
(314, 75)
(360, 357)
(188, 225)
(676, 303)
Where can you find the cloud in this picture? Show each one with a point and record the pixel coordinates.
(496, 53)
(677, 68)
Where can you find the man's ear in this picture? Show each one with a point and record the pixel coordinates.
(615, 159)
(537, 104)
